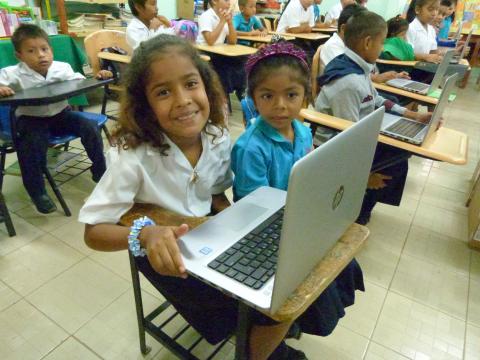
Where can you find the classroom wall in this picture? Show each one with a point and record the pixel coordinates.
(387, 9)
(167, 8)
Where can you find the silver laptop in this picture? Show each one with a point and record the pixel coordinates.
(262, 247)
(413, 131)
(457, 58)
(422, 88)
(458, 34)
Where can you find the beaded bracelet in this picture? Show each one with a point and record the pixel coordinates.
(133, 242)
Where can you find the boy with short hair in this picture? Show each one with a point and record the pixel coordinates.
(347, 92)
(246, 23)
(35, 123)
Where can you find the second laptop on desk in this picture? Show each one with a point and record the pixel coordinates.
(260, 253)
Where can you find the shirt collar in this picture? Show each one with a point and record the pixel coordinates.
(418, 26)
(368, 68)
(138, 24)
(273, 134)
(26, 70)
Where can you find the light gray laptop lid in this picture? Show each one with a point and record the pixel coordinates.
(442, 69)
(442, 103)
(458, 34)
(324, 197)
(467, 41)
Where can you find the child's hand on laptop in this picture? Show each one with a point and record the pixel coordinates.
(377, 181)
(389, 75)
(104, 74)
(6, 91)
(434, 58)
(420, 117)
(161, 245)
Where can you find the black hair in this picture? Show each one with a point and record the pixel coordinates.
(138, 124)
(27, 31)
(364, 23)
(132, 3)
(263, 69)
(347, 12)
(242, 2)
(446, 2)
(411, 13)
(396, 25)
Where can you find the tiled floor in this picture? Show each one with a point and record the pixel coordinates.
(61, 300)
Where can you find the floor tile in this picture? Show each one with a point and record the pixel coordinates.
(418, 331)
(445, 198)
(447, 179)
(26, 333)
(472, 345)
(432, 285)
(115, 261)
(73, 350)
(26, 232)
(7, 296)
(34, 264)
(78, 294)
(474, 303)
(72, 234)
(379, 352)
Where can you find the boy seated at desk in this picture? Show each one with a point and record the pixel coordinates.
(298, 17)
(246, 23)
(347, 92)
(35, 123)
(334, 13)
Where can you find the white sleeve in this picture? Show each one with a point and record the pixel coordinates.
(115, 194)
(134, 38)
(6, 78)
(411, 36)
(329, 16)
(225, 177)
(204, 23)
(311, 20)
(69, 74)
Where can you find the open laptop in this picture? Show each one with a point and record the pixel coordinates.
(457, 58)
(262, 247)
(413, 131)
(458, 34)
(422, 88)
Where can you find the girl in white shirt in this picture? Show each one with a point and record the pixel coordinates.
(146, 22)
(173, 150)
(421, 34)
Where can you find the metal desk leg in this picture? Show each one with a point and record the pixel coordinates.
(6, 216)
(243, 331)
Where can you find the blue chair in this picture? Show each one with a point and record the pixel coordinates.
(7, 145)
(249, 111)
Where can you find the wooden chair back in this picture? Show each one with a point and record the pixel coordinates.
(317, 70)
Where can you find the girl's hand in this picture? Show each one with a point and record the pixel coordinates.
(420, 117)
(403, 75)
(255, 33)
(226, 15)
(6, 91)
(164, 21)
(104, 74)
(376, 181)
(434, 58)
(155, 23)
(161, 244)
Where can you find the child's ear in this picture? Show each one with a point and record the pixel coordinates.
(367, 42)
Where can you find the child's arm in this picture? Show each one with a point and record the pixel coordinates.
(250, 169)
(219, 203)
(160, 243)
(232, 34)
(104, 74)
(389, 75)
(6, 91)
(302, 28)
(432, 57)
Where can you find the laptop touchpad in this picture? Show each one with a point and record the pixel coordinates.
(241, 215)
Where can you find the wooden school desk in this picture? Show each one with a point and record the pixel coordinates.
(474, 39)
(308, 291)
(327, 30)
(127, 58)
(443, 145)
(261, 39)
(227, 49)
(304, 36)
(424, 99)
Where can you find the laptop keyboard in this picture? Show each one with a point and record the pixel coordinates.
(417, 86)
(405, 127)
(252, 260)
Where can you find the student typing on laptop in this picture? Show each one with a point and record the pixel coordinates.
(278, 82)
(173, 151)
(348, 93)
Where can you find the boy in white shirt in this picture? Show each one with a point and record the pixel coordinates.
(334, 13)
(298, 17)
(146, 22)
(35, 123)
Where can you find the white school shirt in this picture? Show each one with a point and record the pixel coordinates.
(143, 175)
(294, 15)
(423, 40)
(208, 21)
(331, 49)
(137, 32)
(334, 12)
(20, 76)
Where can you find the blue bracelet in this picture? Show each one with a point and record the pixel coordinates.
(133, 242)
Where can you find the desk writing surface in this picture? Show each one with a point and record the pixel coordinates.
(316, 282)
(304, 36)
(227, 49)
(327, 30)
(444, 145)
(391, 89)
(411, 63)
(262, 39)
(52, 93)
(127, 58)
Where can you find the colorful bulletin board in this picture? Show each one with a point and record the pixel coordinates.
(469, 10)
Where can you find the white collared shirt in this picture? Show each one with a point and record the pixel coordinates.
(334, 12)
(294, 15)
(20, 76)
(143, 175)
(331, 49)
(423, 40)
(208, 21)
(137, 32)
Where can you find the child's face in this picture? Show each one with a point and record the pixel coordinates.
(149, 11)
(249, 9)
(438, 19)
(318, 2)
(176, 94)
(427, 13)
(447, 10)
(37, 54)
(279, 98)
(306, 3)
(221, 4)
(373, 47)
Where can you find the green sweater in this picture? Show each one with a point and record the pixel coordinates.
(397, 49)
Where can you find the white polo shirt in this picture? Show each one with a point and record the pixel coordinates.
(294, 15)
(422, 39)
(137, 32)
(143, 175)
(331, 49)
(208, 21)
(20, 77)
(334, 13)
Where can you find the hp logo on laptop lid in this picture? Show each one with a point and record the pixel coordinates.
(337, 199)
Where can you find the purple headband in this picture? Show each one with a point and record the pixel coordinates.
(276, 49)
